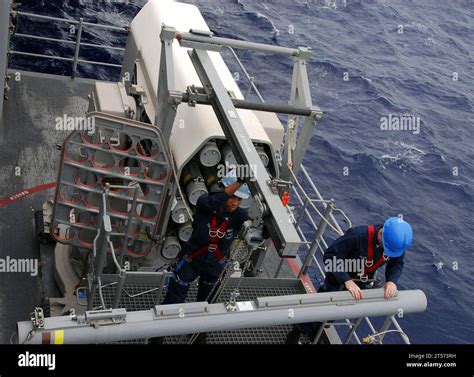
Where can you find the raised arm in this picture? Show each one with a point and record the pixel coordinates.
(214, 202)
(232, 188)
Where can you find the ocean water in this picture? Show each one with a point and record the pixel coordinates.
(372, 60)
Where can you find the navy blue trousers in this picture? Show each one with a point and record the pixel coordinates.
(208, 271)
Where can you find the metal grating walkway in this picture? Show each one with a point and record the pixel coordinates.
(142, 296)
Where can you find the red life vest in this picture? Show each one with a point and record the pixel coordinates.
(370, 266)
(215, 236)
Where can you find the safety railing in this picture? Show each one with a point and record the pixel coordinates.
(310, 206)
(5, 8)
(79, 26)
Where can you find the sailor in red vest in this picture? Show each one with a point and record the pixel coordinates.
(364, 249)
(217, 221)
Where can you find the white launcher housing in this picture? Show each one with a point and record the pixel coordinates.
(194, 126)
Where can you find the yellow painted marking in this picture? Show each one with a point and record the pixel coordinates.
(58, 336)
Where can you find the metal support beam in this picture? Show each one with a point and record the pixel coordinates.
(99, 263)
(353, 330)
(168, 98)
(295, 147)
(203, 99)
(5, 9)
(166, 275)
(319, 333)
(78, 47)
(200, 39)
(120, 284)
(314, 246)
(385, 327)
(106, 326)
(99, 255)
(405, 338)
(280, 228)
(130, 223)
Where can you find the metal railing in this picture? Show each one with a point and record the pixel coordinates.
(308, 209)
(75, 59)
(5, 8)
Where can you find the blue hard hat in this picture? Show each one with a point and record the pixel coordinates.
(397, 236)
(243, 192)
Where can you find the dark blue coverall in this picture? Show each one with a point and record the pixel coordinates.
(352, 245)
(205, 266)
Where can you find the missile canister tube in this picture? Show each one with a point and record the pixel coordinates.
(189, 318)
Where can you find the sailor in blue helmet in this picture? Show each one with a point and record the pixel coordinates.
(217, 221)
(370, 247)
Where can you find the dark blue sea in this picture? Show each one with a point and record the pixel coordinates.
(371, 59)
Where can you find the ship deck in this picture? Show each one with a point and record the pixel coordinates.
(28, 159)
